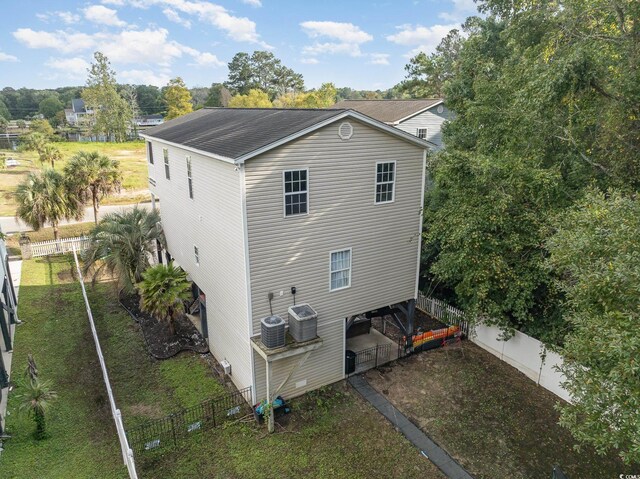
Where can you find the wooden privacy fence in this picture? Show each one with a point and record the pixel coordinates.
(440, 310)
(53, 247)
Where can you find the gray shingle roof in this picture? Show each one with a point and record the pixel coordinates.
(77, 105)
(234, 132)
(388, 111)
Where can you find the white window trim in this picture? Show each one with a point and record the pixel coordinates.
(375, 181)
(189, 177)
(350, 250)
(426, 133)
(284, 194)
(165, 162)
(196, 255)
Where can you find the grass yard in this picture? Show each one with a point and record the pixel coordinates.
(331, 433)
(130, 154)
(488, 416)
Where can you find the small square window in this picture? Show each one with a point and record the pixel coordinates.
(295, 192)
(385, 182)
(165, 153)
(421, 133)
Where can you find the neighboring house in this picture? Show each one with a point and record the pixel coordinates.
(422, 118)
(149, 120)
(77, 113)
(267, 208)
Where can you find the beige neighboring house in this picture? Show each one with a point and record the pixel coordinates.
(267, 208)
(422, 118)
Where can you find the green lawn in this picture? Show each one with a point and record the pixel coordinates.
(130, 154)
(332, 433)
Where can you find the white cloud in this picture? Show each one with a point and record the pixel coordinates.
(5, 57)
(346, 37)
(344, 32)
(145, 77)
(253, 3)
(175, 17)
(461, 10)
(423, 39)
(379, 58)
(66, 17)
(113, 2)
(240, 29)
(57, 40)
(104, 16)
(310, 61)
(71, 65)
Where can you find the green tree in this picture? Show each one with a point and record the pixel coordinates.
(4, 124)
(219, 96)
(43, 198)
(596, 254)
(149, 99)
(4, 111)
(112, 113)
(50, 106)
(262, 71)
(92, 176)
(49, 153)
(122, 244)
(36, 401)
(41, 126)
(163, 293)
(254, 99)
(177, 98)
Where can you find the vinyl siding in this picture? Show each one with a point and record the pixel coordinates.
(295, 251)
(212, 221)
(430, 119)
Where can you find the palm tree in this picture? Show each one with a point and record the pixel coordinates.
(43, 198)
(92, 175)
(36, 401)
(49, 153)
(123, 244)
(163, 292)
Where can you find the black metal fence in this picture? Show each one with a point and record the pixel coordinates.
(209, 414)
(373, 357)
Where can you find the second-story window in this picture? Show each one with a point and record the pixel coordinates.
(421, 133)
(150, 152)
(340, 268)
(385, 182)
(296, 200)
(189, 178)
(196, 255)
(165, 153)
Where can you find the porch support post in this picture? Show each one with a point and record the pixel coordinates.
(13, 290)
(4, 381)
(271, 426)
(9, 306)
(4, 326)
(411, 313)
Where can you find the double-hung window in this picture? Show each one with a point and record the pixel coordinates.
(150, 152)
(421, 133)
(165, 153)
(189, 178)
(340, 269)
(385, 182)
(296, 192)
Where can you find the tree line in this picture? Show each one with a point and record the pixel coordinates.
(532, 222)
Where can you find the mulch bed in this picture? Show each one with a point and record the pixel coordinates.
(160, 343)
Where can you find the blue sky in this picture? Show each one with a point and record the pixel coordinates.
(364, 45)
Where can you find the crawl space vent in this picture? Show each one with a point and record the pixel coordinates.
(345, 130)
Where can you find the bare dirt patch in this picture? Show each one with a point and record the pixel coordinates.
(487, 415)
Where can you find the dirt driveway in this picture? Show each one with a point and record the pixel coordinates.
(487, 415)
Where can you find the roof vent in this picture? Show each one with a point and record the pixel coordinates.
(345, 130)
(440, 109)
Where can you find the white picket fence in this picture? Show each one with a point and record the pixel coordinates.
(523, 352)
(54, 247)
(127, 452)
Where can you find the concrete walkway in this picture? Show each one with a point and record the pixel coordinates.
(9, 224)
(16, 269)
(425, 445)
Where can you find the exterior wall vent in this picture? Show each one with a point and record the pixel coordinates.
(345, 130)
(440, 109)
(303, 322)
(272, 332)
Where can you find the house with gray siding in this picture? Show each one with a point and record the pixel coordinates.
(422, 118)
(270, 208)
